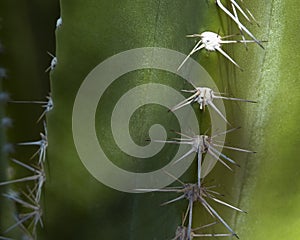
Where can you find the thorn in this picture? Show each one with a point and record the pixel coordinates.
(6, 122)
(4, 97)
(3, 73)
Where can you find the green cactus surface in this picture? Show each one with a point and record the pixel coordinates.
(76, 205)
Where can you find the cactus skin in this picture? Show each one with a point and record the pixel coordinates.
(78, 207)
(82, 43)
(270, 182)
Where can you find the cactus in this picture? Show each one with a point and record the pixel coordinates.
(270, 172)
(26, 34)
(76, 205)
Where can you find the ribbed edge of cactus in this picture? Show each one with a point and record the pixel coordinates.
(27, 85)
(91, 31)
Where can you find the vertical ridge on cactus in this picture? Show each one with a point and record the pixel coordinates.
(77, 206)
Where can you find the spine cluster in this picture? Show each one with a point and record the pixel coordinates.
(204, 144)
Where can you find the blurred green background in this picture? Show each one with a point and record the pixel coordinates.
(75, 205)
